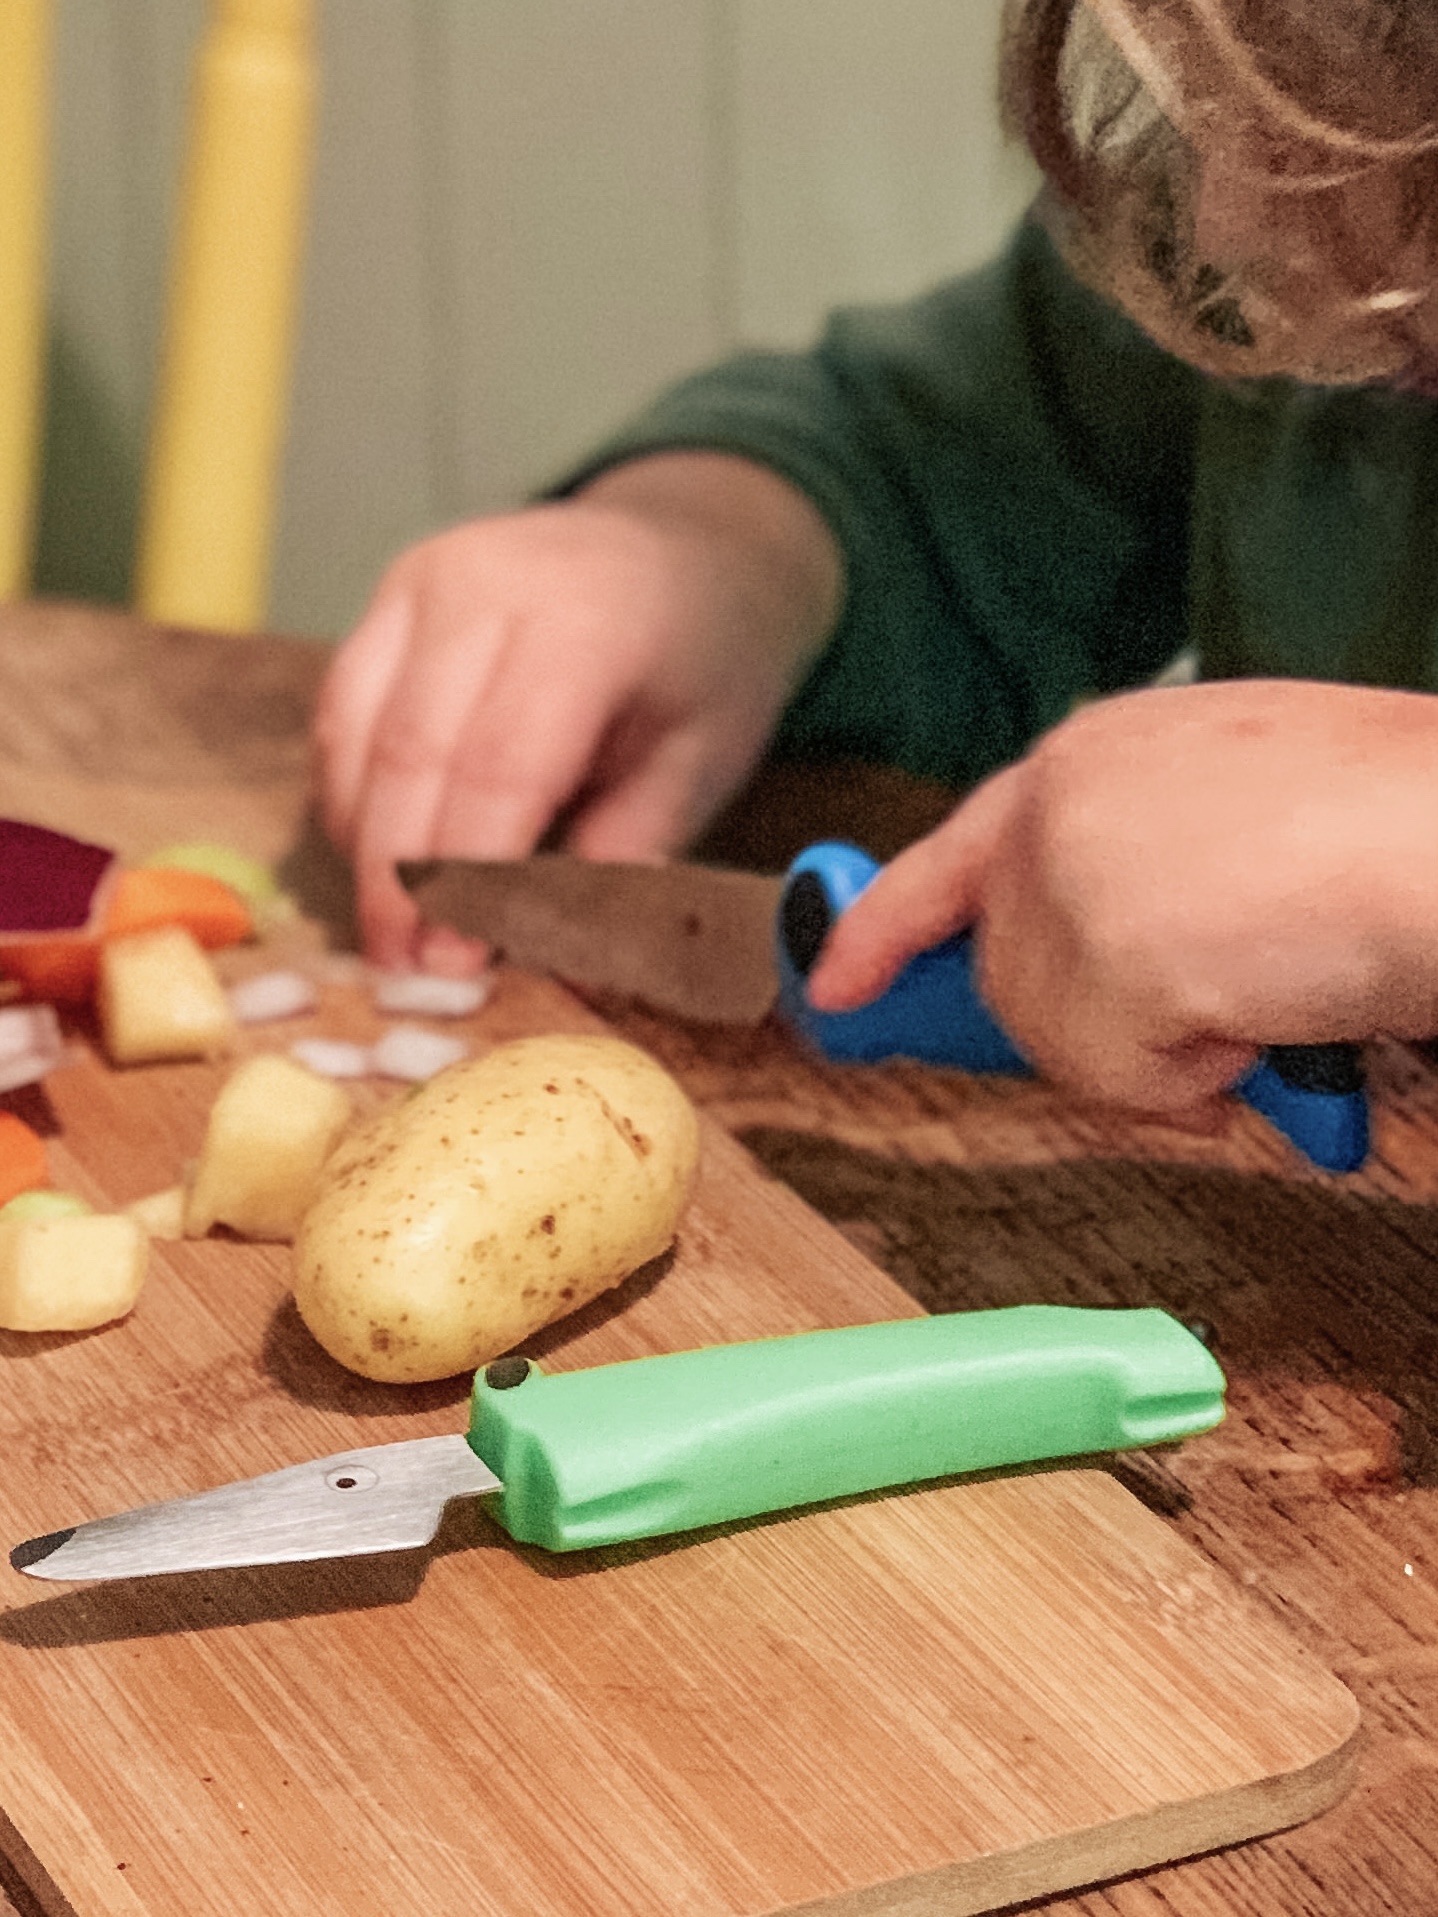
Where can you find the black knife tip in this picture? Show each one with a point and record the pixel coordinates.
(36, 1550)
(806, 917)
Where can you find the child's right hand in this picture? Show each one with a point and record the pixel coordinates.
(1175, 878)
(612, 663)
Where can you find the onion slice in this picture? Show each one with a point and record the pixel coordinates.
(410, 1052)
(332, 1057)
(30, 1044)
(426, 995)
(270, 995)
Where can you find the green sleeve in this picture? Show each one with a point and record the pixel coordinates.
(1007, 466)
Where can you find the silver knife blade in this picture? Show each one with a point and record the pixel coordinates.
(697, 941)
(383, 1497)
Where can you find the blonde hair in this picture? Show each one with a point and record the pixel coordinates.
(1322, 114)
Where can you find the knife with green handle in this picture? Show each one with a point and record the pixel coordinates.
(652, 1446)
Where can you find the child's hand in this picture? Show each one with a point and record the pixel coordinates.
(615, 662)
(1173, 879)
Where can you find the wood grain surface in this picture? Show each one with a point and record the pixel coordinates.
(984, 1691)
(1316, 1496)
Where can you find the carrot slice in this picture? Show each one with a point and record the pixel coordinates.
(23, 1162)
(152, 895)
(64, 969)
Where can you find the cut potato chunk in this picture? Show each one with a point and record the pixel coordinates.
(160, 998)
(271, 1129)
(162, 1213)
(70, 1273)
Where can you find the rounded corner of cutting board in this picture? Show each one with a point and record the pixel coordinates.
(1078, 1861)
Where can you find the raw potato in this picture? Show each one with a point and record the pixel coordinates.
(70, 1274)
(160, 997)
(162, 1213)
(270, 1130)
(507, 1192)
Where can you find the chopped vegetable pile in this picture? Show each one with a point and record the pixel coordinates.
(64, 969)
(133, 943)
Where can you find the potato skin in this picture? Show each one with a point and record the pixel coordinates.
(507, 1192)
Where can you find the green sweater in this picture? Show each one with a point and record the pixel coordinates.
(1036, 503)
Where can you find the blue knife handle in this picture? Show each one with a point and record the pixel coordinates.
(933, 1013)
(1314, 1095)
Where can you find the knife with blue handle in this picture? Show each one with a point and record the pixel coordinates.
(933, 1013)
(656, 1446)
(725, 946)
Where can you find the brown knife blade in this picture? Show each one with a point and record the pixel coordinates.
(696, 941)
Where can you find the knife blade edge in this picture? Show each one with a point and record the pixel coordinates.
(387, 1497)
(695, 941)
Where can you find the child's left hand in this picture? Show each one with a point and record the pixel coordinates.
(1175, 878)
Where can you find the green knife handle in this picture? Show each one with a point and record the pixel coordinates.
(663, 1444)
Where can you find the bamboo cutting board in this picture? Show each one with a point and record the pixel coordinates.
(941, 1701)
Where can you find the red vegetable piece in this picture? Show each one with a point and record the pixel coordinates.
(49, 882)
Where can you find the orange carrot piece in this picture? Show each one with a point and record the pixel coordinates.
(63, 969)
(23, 1161)
(151, 895)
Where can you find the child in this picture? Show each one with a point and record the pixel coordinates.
(1192, 404)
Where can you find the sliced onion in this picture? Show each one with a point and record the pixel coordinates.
(271, 995)
(30, 1044)
(412, 1053)
(49, 882)
(332, 1057)
(425, 995)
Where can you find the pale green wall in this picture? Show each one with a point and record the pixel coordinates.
(527, 213)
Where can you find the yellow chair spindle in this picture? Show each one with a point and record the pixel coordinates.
(25, 42)
(221, 403)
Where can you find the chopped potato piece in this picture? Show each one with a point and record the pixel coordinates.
(70, 1273)
(271, 1129)
(162, 1213)
(160, 998)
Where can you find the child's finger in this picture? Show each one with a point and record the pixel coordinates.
(390, 931)
(528, 745)
(355, 692)
(489, 785)
(646, 815)
(415, 738)
(449, 954)
(420, 732)
(931, 890)
(655, 795)
(1102, 1054)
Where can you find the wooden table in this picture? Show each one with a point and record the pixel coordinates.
(1318, 1494)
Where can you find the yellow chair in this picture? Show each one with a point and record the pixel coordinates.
(24, 116)
(221, 400)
